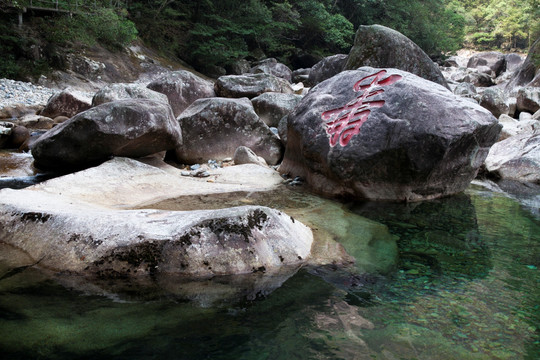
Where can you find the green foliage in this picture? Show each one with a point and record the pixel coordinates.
(104, 26)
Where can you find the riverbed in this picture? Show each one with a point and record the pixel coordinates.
(455, 278)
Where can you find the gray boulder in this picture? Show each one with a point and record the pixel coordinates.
(214, 128)
(273, 67)
(301, 75)
(494, 99)
(244, 155)
(516, 158)
(465, 89)
(386, 135)
(182, 88)
(478, 79)
(6, 128)
(239, 67)
(528, 99)
(326, 68)
(282, 130)
(513, 61)
(528, 73)
(251, 85)
(82, 238)
(493, 60)
(131, 128)
(381, 47)
(68, 102)
(272, 107)
(122, 91)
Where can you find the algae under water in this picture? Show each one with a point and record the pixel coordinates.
(464, 285)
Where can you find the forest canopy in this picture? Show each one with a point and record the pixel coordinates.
(209, 33)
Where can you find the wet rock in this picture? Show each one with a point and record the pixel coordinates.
(381, 47)
(251, 85)
(182, 88)
(413, 140)
(19, 134)
(516, 158)
(326, 68)
(493, 60)
(273, 67)
(68, 102)
(132, 128)
(5, 133)
(272, 107)
(214, 128)
(122, 91)
(90, 240)
(36, 122)
(244, 155)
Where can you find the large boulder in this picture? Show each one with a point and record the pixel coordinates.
(513, 61)
(528, 74)
(326, 68)
(273, 67)
(82, 238)
(68, 102)
(381, 47)
(121, 91)
(130, 128)
(494, 100)
(528, 99)
(251, 85)
(214, 128)
(182, 88)
(493, 60)
(385, 134)
(272, 107)
(516, 158)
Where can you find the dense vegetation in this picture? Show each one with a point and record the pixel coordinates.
(209, 33)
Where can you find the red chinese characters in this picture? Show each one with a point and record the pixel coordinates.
(345, 122)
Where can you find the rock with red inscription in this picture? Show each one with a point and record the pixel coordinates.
(382, 47)
(130, 128)
(326, 68)
(385, 134)
(251, 85)
(273, 67)
(182, 88)
(68, 103)
(121, 91)
(214, 128)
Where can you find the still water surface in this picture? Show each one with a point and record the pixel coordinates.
(460, 279)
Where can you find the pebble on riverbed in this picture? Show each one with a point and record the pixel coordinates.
(17, 92)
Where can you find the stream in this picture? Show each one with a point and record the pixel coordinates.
(454, 278)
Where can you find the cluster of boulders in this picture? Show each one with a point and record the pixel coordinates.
(380, 123)
(507, 85)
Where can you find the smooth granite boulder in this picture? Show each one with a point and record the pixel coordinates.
(381, 47)
(385, 134)
(130, 128)
(121, 91)
(250, 85)
(214, 128)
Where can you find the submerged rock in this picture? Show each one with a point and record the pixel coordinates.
(384, 134)
(132, 128)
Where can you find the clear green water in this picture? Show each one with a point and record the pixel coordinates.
(465, 285)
